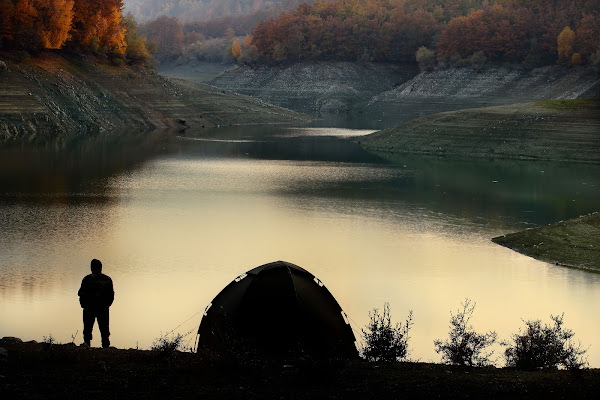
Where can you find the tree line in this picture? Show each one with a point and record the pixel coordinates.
(81, 25)
(506, 31)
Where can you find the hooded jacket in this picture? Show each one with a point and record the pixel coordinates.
(96, 291)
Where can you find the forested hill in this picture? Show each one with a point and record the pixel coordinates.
(201, 10)
(526, 32)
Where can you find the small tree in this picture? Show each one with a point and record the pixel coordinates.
(236, 49)
(383, 341)
(576, 59)
(544, 347)
(425, 58)
(465, 346)
(565, 40)
(478, 60)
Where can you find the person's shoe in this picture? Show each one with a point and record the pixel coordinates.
(85, 344)
(106, 343)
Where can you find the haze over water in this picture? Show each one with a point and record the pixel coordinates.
(175, 218)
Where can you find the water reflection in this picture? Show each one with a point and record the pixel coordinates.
(175, 218)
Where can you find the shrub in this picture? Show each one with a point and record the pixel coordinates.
(384, 342)
(465, 346)
(425, 58)
(167, 345)
(49, 340)
(544, 347)
(478, 60)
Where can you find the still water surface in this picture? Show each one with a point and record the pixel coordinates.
(175, 218)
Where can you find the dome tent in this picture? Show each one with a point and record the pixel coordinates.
(277, 309)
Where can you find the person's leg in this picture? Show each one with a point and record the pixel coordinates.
(103, 325)
(89, 316)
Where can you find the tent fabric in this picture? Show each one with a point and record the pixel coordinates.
(277, 308)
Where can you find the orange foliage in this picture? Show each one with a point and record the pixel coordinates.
(97, 25)
(236, 48)
(51, 24)
(565, 40)
(514, 31)
(55, 18)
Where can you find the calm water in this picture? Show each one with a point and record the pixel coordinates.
(175, 218)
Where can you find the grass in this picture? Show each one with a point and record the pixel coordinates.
(576, 104)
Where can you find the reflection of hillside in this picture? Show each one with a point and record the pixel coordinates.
(73, 168)
(503, 192)
(55, 201)
(499, 192)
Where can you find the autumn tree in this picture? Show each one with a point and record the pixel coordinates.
(566, 39)
(247, 41)
(167, 33)
(54, 22)
(137, 48)
(98, 26)
(236, 49)
(6, 17)
(425, 58)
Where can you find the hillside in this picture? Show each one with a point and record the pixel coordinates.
(315, 87)
(564, 130)
(57, 93)
(52, 371)
(458, 88)
(573, 243)
(399, 93)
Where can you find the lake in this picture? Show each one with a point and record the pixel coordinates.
(174, 218)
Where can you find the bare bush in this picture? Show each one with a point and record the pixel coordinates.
(546, 346)
(167, 345)
(465, 346)
(385, 342)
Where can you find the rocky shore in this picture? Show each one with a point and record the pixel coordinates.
(47, 370)
(56, 93)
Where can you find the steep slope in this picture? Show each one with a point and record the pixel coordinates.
(53, 94)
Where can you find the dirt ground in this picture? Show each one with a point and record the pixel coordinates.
(50, 371)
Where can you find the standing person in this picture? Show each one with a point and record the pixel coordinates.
(95, 296)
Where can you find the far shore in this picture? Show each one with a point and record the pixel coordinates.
(573, 243)
(560, 130)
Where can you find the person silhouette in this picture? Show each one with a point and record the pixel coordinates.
(96, 296)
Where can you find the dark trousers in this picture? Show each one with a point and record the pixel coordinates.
(89, 317)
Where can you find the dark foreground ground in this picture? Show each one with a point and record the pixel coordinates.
(39, 370)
